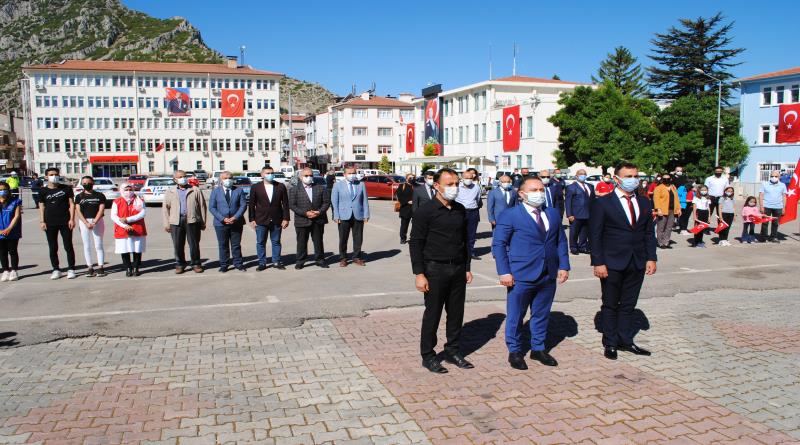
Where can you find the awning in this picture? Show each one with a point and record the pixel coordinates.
(459, 159)
(113, 159)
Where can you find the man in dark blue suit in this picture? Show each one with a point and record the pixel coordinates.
(553, 191)
(578, 200)
(228, 205)
(623, 251)
(530, 249)
(501, 198)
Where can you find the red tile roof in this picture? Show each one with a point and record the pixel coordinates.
(158, 67)
(295, 117)
(535, 80)
(374, 101)
(781, 73)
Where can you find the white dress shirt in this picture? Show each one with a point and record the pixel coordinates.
(624, 201)
(309, 192)
(542, 215)
(269, 188)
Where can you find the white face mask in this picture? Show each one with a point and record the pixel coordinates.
(545, 181)
(181, 180)
(450, 193)
(308, 180)
(53, 179)
(227, 183)
(467, 182)
(352, 177)
(429, 182)
(535, 199)
(774, 180)
(360, 176)
(505, 185)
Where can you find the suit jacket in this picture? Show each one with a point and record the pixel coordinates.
(405, 196)
(496, 202)
(346, 206)
(220, 209)
(263, 210)
(614, 242)
(522, 250)
(578, 203)
(421, 196)
(556, 194)
(299, 203)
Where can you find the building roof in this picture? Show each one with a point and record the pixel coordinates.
(781, 73)
(534, 80)
(374, 101)
(295, 117)
(158, 67)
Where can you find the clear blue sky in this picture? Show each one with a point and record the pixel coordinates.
(403, 46)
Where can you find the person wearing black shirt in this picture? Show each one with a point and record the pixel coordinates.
(441, 262)
(36, 186)
(57, 216)
(90, 208)
(405, 197)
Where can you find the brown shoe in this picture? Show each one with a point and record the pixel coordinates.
(343, 263)
(179, 269)
(197, 269)
(360, 262)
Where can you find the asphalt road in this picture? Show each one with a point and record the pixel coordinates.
(160, 303)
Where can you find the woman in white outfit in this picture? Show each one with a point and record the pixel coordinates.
(90, 207)
(130, 233)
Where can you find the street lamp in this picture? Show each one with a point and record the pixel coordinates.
(719, 108)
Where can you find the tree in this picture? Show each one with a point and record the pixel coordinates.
(621, 70)
(384, 164)
(688, 136)
(701, 43)
(600, 127)
(556, 77)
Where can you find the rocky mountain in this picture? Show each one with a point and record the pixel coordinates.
(47, 31)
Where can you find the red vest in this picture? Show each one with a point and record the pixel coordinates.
(125, 211)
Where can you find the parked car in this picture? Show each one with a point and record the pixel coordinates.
(339, 176)
(255, 177)
(370, 172)
(280, 177)
(315, 172)
(201, 175)
(244, 183)
(213, 180)
(288, 171)
(137, 181)
(103, 185)
(382, 186)
(153, 190)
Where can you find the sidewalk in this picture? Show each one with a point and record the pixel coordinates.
(724, 370)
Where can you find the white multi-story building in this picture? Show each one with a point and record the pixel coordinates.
(472, 115)
(106, 118)
(316, 141)
(367, 127)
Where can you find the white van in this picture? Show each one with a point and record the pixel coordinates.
(287, 171)
(370, 172)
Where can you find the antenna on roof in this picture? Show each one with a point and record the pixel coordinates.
(371, 90)
(241, 55)
(514, 63)
(490, 61)
(354, 89)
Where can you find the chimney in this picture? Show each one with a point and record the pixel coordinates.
(406, 97)
(231, 62)
(365, 95)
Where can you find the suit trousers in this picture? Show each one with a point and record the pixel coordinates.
(345, 227)
(273, 231)
(579, 235)
(229, 239)
(538, 296)
(620, 295)
(664, 228)
(473, 219)
(404, 228)
(182, 233)
(316, 231)
(447, 288)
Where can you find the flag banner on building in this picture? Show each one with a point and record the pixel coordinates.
(178, 102)
(788, 124)
(790, 214)
(160, 147)
(699, 226)
(410, 138)
(511, 128)
(232, 103)
(721, 225)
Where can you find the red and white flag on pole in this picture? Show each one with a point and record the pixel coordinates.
(699, 226)
(790, 214)
(410, 138)
(788, 124)
(721, 225)
(511, 128)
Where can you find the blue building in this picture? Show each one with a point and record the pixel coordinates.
(761, 96)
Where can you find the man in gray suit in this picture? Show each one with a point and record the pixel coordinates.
(309, 203)
(351, 212)
(425, 193)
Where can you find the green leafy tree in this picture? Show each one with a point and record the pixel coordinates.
(384, 164)
(602, 126)
(688, 130)
(702, 43)
(621, 69)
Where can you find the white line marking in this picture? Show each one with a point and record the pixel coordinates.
(272, 299)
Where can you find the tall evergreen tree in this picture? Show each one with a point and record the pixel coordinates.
(702, 43)
(621, 70)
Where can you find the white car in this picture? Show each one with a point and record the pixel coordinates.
(153, 190)
(103, 185)
(213, 180)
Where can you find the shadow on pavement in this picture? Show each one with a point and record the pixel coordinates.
(477, 333)
(7, 339)
(640, 322)
(559, 328)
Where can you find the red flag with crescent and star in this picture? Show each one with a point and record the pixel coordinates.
(792, 195)
(788, 124)
(511, 128)
(232, 103)
(410, 138)
(699, 226)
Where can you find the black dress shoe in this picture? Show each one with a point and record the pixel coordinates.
(280, 266)
(458, 360)
(298, 266)
(261, 267)
(610, 353)
(544, 358)
(223, 269)
(517, 361)
(321, 264)
(586, 251)
(241, 269)
(136, 272)
(632, 348)
(476, 257)
(129, 272)
(402, 241)
(434, 365)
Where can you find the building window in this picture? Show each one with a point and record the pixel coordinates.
(360, 113)
(764, 170)
(519, 161)
(765, 134)
(766, 96)
(384, 131)
(359, 131)
(408, 115)
(795, 93)
(222, 165)
(244, 165)
(384, 149)
(384, 113)
(460, 134)
(529, 160)
(779, 94)
(446, 135)
(483, 132)
(529, 125)
(477, 133)
(359, 149)
(498, 130)
(151, 166)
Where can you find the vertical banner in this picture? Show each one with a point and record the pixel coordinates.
(788, 124)
(410, 140)
(178, 102)
(511, 128)
(792, 197)
(232, 103)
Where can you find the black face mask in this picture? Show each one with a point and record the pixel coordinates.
(88, 187)
(717, 174)
(666, 181)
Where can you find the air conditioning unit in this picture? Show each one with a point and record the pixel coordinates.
(149, 154)
(215, 92)
(218, 154)
(250, 112)
(40, 87)
(131, 131)
(199, 131)
(142, 90)
(156, 112)
(249, 91)
(264, 153)
(249, 153)
(205, 154)
(71, 154)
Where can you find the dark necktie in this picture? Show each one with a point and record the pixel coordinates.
(632, 210)
(538, 217)
(228, 196)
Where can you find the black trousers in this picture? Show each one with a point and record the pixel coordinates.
(52, 233)
(712, 206)
(728, 218)
(8, 250)
(683, 220)
(181, 234)
(773, 225)
(447, 290)
(578, 234)
(316, 231)
(702, 215)
(620, 294)
(345, 227)
(404, 228)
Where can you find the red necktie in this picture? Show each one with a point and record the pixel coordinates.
(633, 211)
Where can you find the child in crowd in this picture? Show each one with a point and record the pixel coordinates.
(701, 204)
(726, 212)
(10, 232)
(749, 213)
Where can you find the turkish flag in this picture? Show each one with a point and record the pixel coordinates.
(699, 226)
(511, 128)
(160, 147)
(410, 138)
(790, 213)
(232, 103)
(788, 124)
(721, 225)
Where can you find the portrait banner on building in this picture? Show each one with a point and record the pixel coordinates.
(511, 128)
(178, 102)
(232, 103)
(410, 138)
(433, 121)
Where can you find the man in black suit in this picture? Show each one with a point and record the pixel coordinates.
(268, 213)
(309, 203)
(623, 251)
(405, 196)
(424, 193)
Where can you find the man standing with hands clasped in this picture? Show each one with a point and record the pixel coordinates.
(228, 205)
(184, 215)
(623, 251)
(441, 262)
(530, 249)
(350, 211)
